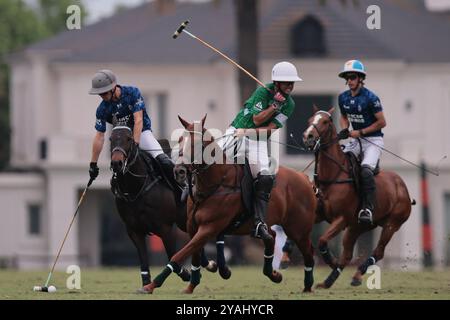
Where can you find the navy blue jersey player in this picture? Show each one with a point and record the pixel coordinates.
(361, 108)
(127, 105)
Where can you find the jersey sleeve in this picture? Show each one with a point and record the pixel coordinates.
(341, 105)
(375, 104)
(281, 117)
(138, 101)
(100, 122)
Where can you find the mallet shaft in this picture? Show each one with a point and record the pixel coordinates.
(226, 57)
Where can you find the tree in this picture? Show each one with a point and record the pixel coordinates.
(19, 27)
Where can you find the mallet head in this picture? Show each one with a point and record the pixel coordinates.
(180, 29)
(40, 289)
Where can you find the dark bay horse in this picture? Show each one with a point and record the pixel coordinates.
(217, 202)
(340, 202)
(146, 204)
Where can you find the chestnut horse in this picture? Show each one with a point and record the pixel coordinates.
(145, 202)
(217, 202)
(339, 202)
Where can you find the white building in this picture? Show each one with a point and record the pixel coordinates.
(408, 65)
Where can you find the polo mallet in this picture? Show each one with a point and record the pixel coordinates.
(182, 28)
(45, 288)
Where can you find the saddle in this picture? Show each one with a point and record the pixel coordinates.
(246, 197)
(355, 170)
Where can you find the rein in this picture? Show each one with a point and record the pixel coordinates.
(147, 184)
(321, 148)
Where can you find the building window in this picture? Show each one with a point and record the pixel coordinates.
(298, 121)
(34, 219)
(308, 38)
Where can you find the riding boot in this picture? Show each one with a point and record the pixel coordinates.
(365, 216)
(167, 167)
(263, 187)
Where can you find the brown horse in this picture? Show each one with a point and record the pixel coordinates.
(217, 203)
(339, 201)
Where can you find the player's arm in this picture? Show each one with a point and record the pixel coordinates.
(377, 125)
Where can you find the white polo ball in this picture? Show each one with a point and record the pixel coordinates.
(52, 289)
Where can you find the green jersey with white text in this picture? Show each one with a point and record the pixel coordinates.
(260, 100)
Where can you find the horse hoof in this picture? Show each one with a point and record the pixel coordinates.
(225, 273)
(190, 289)
(148, 288)
(212, 266)
(307, 290)
(322, 286)
(356, 282)
(276, 277)
(284, 264)
(141, 291)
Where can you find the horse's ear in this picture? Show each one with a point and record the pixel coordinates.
(203, 120)
(183, 122)
(331, 110)
(315, 108)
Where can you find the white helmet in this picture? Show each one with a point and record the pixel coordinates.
(285, 71)
(354, 66)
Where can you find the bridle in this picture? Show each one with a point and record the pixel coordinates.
(133, 154)
(194, 171)
(326, 135)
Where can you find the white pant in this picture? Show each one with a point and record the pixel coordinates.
(254, 150)
(370, 150)
(149, 144)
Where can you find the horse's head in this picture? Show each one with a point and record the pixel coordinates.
(122, 147)
(320, 129)
(191, 146)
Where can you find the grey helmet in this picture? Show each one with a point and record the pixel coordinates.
(103, 81)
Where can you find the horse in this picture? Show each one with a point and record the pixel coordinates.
(216, 205)
(145, 201)
(339, 201)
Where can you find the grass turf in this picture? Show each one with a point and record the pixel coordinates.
(245, 283)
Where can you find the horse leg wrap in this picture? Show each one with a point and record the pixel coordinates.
(369, 262)
(171, 267)
(326, 255)
(288, 246)
(146, 277)
(220, 254)
(332, 277)
(195, 275)
(309, 277)
(268, 258)
(184, 274)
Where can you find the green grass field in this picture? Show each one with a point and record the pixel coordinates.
(245, 283)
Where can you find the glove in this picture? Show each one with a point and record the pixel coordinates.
(343, 134)
(93, 170)
(278, 99)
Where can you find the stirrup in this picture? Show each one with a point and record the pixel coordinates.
(365, 216)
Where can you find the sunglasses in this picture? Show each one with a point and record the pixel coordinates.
(351, 77)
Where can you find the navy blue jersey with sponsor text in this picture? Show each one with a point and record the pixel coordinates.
(130, 102)
(361, 109)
